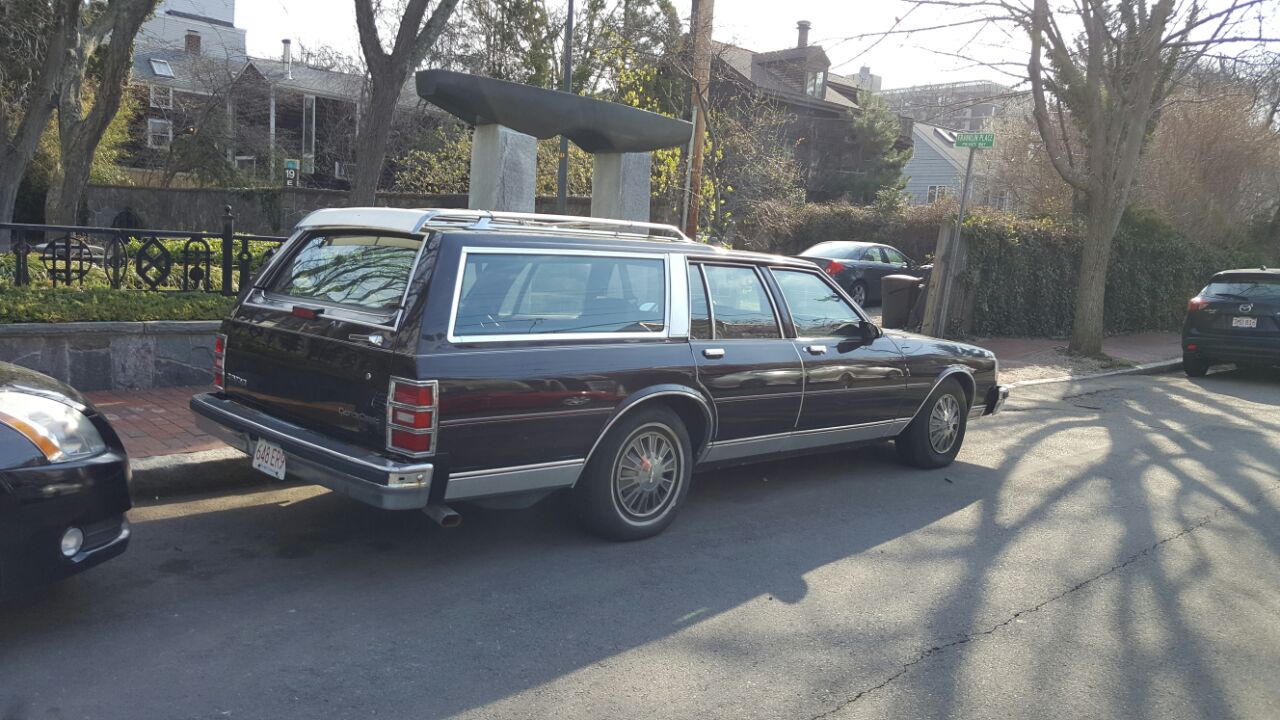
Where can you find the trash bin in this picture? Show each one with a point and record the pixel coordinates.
(898, 294)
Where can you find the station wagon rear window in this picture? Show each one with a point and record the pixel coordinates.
(369, 272)
(533, 294)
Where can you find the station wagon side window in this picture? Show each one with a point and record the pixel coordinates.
(817, 310)
(740, 304)
(522, 293)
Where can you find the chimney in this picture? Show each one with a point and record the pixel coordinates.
(193, 42)
(286, 56)
(803, 26)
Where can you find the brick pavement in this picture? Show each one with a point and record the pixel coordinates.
(154, 422)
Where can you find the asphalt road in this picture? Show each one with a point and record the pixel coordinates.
(1106, 549)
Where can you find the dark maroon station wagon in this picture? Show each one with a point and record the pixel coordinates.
(415, 358)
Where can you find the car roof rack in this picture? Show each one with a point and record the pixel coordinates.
(511, 221)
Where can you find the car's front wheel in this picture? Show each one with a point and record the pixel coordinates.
(934, 437)
(638, 476)
(1195, 366)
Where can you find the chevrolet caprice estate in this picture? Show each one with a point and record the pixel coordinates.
(415, 358)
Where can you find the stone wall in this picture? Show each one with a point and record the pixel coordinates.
(114, 356)
(262, 211)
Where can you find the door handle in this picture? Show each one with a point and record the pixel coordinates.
(371, 338)
(815, 349)
(713, 353)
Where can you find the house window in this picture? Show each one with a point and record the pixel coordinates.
(247, 164)
(162, 68)
(161, 97)
(938, 192)
(343, 170)
(159, 133)
(814, 83)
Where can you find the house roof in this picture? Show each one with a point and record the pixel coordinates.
(194, 73)
(328, 83)
(752, 67)
(941, 140)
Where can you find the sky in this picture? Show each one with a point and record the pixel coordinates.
(760, 25)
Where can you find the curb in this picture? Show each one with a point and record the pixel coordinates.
(194, 473)
(1155, 368)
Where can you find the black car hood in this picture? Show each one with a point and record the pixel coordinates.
(19, 379)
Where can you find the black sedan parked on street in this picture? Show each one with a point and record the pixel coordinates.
(64, 483)
(858, 267)
(1234, 319)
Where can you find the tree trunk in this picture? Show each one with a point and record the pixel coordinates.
(371, 143)
(62, 206)
(1103, 219)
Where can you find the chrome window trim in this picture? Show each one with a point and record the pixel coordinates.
(678, 282)
(665, 258)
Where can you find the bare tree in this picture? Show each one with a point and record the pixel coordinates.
(415, 34)
(1104, 68)
(78, 131)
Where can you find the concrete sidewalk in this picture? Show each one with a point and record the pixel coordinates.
(1023, 359)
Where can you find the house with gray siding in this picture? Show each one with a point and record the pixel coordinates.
(936, 169)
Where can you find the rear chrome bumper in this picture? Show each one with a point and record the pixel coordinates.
(315, 458)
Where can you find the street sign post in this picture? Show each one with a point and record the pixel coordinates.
(291, 173)
(938, 323)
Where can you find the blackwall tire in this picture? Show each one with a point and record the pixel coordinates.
(936, 434)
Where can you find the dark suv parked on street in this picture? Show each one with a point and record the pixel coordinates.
(413, 358)
(1234, 319)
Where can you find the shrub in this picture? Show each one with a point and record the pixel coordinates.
(62, 304)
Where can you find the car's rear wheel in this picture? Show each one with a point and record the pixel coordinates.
(638, 476)
(1195, 366)
(859, 293)
(934, 437)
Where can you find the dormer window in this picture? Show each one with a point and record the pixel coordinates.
(161, 68)
(815, 84)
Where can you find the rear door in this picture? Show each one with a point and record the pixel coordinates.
(311, 343)
(752, 373)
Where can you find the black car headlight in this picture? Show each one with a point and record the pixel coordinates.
(60, 431)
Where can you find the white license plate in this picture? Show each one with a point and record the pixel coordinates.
(1249, 322)
(269, 458)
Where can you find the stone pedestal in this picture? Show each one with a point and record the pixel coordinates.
(503, 168)
(620, 186)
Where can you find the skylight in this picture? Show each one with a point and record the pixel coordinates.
(161, 68)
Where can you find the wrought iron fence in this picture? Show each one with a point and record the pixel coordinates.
(133, 258)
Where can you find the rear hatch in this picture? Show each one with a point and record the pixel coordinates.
(313, 341)
(1239, 306)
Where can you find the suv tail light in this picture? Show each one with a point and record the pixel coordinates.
(1196, 303)
(219, 361)
(833, 268)
(411, 416)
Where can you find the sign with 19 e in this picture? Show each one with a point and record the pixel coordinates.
(975, 140)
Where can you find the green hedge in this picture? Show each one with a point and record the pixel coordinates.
(31, 305)
(789, 229)
(1022, 274)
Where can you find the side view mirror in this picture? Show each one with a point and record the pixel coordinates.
(865, 331)
(870, 331)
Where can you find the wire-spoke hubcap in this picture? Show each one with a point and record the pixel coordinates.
(646, 474)
(944, 424)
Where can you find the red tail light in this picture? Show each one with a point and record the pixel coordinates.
(219, 361)
(833, 268)
(1196, 303)
(411, 416)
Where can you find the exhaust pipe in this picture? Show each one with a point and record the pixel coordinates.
(443, 515)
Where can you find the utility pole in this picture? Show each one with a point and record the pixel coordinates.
(562, 173)
(700, 33)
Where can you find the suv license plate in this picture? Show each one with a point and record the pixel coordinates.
(269, 458)
(1248, 322)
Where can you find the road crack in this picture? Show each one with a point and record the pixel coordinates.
(970, 637)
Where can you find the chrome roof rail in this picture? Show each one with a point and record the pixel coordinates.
(510, 221)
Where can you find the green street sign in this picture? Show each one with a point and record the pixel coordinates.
(975, 140)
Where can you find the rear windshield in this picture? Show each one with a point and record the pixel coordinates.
(365, 271)
(1256, 289)
(523, 294)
